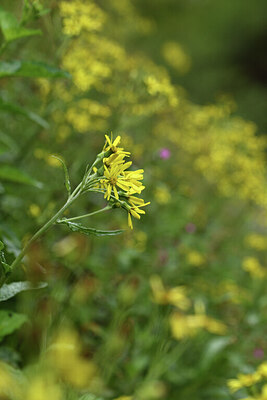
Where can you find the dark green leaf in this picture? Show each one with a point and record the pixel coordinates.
(67, 178)
(89, 231)
(10, 290)
(31, 69)
(13, 174)
(15, 109)
(11, 28)
(10, 321)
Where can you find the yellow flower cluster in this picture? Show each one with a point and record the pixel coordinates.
(250, 380)
(86, 114)
(81, 15)
(253, 266)
(95, 67)
(119, 185)
(224, 149)
(256, 241)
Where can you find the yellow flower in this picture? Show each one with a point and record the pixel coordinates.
(43, 389)
(262, 369)
(113, 145)
(234, 385)
(175, 296)
(256, 241)
(162, 195)
(243, 380)
(188, 325)
(115, 177)
(249, 379)
(195, 258)
(124, 398)
(253, 266)
(64, 356)
(119, 184)
(263, 395)
(135, 210)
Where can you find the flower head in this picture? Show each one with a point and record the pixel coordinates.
(120, 185)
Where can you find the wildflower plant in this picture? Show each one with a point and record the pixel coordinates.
(108, 175)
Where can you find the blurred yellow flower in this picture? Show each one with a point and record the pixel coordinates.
(195, 258)
(162, 195)
(183, 326)
(41, 388)
(176, 57)
(175, 296)
(253, 266)
(256, 241)
(65, 358)
(34, 210)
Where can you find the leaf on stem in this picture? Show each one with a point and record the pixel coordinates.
(74, 227)
(10, 290)
(30, 69)
(11, 28)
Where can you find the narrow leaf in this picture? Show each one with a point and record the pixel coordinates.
(74, 227)
(10, 322)
(10, 290)
(67, 177)
(13, 174)
(31, 69)
(15, 109)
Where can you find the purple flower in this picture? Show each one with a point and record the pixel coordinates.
(164, 154)
(190, 227)
(258, 353)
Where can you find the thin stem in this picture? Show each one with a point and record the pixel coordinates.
(46, 226)
(90, 214)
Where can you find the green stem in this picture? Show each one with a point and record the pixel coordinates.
(46, 226)
(90, 214)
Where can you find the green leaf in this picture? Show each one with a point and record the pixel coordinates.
(30, 69)
(11, 28)
(13, 174)
(10, 322)
(74, 227)
(214, 349)
(15, 109)
(10, 290)
(67, 177)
